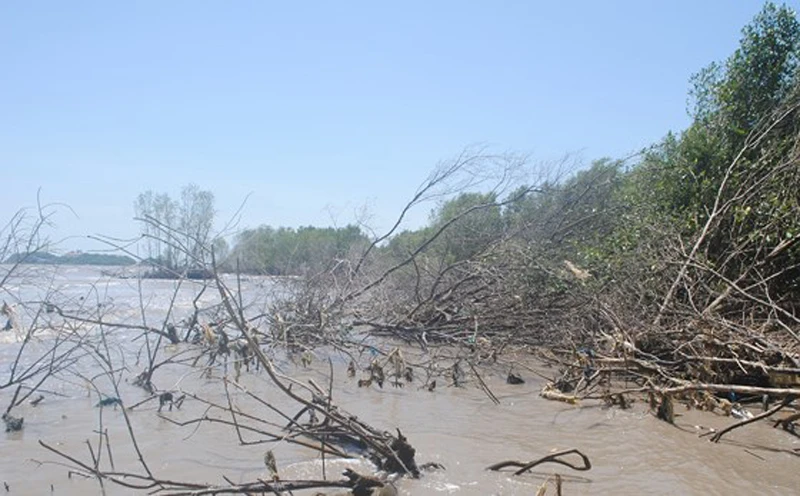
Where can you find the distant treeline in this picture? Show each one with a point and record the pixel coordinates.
(290, 251)
(77, 258)
(177, 240)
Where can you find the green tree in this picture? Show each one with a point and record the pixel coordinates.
(176, 233)
(756, 78)
(289, 251)
(476, 223)
(731, 98)
(715, 184)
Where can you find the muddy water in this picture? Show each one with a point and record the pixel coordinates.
(631, 452)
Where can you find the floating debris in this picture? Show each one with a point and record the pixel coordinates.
(737, 411)
(13, 424)
(409, 374)
(109, 401)
(514, 379)
(551, 392)
(164, 399)
(271, 464)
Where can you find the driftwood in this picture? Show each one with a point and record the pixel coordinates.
(787, 423)
(550, 392)
(553, 458)
(360, 485)
(772, 411)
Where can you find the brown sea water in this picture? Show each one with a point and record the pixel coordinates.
(631, 451)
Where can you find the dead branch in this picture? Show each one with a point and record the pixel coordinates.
(772, 411)
(553, 458)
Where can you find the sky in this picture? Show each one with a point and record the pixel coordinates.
(312, 113)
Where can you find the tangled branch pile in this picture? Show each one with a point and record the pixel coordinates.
(683, 266)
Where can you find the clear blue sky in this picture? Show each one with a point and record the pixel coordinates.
(321, 107)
